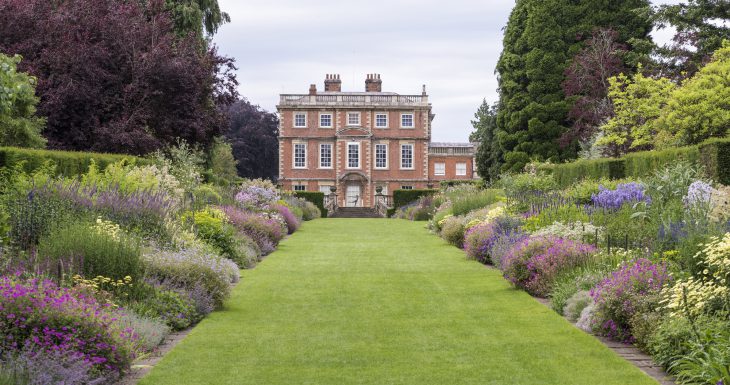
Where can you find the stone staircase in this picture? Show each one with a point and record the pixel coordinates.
(355, 212)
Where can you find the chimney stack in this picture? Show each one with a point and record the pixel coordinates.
(373, 83)
(332, 83)
(312, 89)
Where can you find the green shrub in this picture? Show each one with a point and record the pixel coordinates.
(213, 228)
(315, 197)
(568, 173)
(68, 163)
(464, 203)
(404, 197)
(715, 157)
(90, 250)
(452, 231)
(478, 183)
(515, 184)
(643, 163)
(173, 309)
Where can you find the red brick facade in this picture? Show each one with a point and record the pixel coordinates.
(357, 141)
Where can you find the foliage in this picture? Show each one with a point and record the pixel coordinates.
(19, 125)
(452, 230)
(65, 163)
(220, 162)
(79, 248)
(308, 210)
(213, 227)
(715, 159)
(539, 40)
(261, 228)
(464, 203)
(196, 16)
(257, 194)
(41, 367)
(253, 134)
(149, 333)
(574, 305)
(113, 76)
(479, 239)
(191, 269)
(40, 315)
(515, 184)
(576, 231)
(638, 101)
(617, 297)
(586, 80)
(582, 191)
(700, 107)
(534, 263)
(419, 210)
(184, 162)
(292, 223)
(404, 197)
(696, 36)
(176, 310)
(33, 216)
(489, 154)
(316, 197)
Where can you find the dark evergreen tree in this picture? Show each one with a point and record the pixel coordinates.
(253, 134)
(489, 155)
(701, 26)
(540, 39)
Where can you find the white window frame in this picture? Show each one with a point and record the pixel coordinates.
(321, 114)
(413, 119)
(294, 155)
(405, 187)
(457, 169)
(321, 146)
(359, 118)
(386, 119)
(299, 187)
(295, 119)
(413, 156)
(375, 154)
(439, 168)
(359, 155)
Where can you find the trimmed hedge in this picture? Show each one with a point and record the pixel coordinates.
(68, 163)
(315, 197)
(404, 197)
(713, 155)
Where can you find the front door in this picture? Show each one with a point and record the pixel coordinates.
(352, 196)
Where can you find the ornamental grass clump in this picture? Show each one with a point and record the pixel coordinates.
(39, 316)
(618, 297)
(631, 192)
(534, 263)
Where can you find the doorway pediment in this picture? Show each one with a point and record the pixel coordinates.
(354, 132)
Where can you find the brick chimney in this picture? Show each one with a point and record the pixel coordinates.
(332, 83)
(373, 83)
(313, 89)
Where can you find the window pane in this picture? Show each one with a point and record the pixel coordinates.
(406, 120)
(325, 120)
(461, 169)
(406, 187)
(300, 120)
(325, 155)
(381, 120)
(300, 187)
(406, 160)
(300, 155)
(381, 156)
(353, 118)
(353, 156)
(439, 169)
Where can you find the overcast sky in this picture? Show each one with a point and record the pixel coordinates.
(282, 46)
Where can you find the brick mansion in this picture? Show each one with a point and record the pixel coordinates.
(363, 142)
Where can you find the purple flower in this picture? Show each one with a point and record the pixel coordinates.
(624, 193)
(699, 193)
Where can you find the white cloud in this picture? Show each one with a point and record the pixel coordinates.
(282, 46)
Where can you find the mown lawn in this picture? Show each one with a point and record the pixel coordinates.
(374, 301)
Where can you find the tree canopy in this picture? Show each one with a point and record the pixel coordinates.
(19, 125)
(488, 156)
(114, 76)
(253, 134)
(540, 39)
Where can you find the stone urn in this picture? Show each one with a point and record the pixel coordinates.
(379, 190)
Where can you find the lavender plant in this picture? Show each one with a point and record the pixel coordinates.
(624, 193)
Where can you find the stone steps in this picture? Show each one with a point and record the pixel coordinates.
(355, 212)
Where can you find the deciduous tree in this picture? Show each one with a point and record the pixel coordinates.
(19, 124)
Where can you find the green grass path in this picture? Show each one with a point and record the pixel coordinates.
(374, 301)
